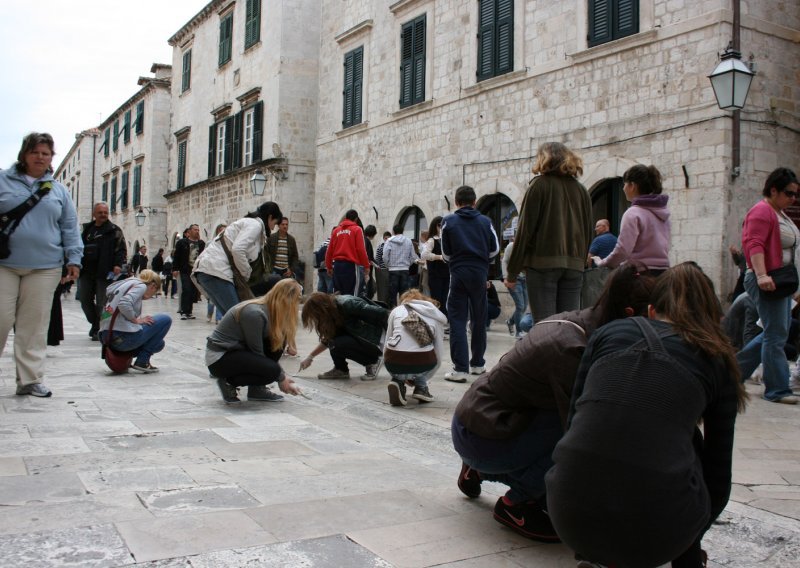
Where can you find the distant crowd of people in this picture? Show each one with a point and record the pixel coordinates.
(610, 420)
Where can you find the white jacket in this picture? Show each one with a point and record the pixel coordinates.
(245, 238)
(399, 339)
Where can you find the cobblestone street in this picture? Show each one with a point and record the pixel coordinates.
(155, 470)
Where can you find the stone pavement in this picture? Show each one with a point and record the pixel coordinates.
(154, 470)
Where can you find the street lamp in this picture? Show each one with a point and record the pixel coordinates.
(258, 183)
(140, 217)
(731, 80)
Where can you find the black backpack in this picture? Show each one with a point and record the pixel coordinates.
(319, 256)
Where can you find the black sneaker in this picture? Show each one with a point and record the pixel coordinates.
(422, 394)
(261, 392)
(528, 519)
(230, 394)
(397, 393)
(510, 325)
(190, 316)
(469, 482)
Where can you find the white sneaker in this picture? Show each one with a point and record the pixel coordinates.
(477, 370)
(456, 376)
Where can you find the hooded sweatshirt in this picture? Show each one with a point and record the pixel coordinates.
(347, 244)
(644, 234)
(468, 239)
(398, 253)
(398, 338)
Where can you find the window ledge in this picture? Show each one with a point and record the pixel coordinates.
(402, 6)
(252, 46)
(499, 81)
(358, 29)
(614, 46)
(360, 127)
(224, 65)
(413, 109)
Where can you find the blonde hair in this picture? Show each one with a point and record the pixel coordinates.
(149, 277)
(555, 158)
(414, 294)
(281, 303)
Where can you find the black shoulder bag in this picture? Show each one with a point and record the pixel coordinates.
(10, 221)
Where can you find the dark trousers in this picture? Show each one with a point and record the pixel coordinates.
(188, 294)
(347, 277)
(92, 292)
(344, 347)
(243, 368)
(467, 300)
(169, 284)
(399, 282)
(440, 289)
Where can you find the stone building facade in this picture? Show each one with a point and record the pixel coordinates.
(78, 172)
(418, 97)
(244, 99)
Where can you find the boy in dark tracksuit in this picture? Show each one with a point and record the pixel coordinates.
(468, 244)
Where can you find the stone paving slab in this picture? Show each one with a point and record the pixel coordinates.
(21, 489)
(196, 500)
(98, 461)
(81, 547)
(137, 479)
(43, 446)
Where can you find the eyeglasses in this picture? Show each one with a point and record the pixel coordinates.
(792, 194)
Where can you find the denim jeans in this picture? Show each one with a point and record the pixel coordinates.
(767, 347)
(420, 379)
(520, 296)
(148, 340)
(399, 282)
(554, 290)
(219, 291)
(518, 462)
(325, 282)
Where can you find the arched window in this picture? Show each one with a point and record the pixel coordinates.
(502, 212)
(413, 221)
(609, 202)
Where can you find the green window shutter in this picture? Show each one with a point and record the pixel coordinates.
(236, 158)
(123, 194)
(347, 92)
(419, 59)
(113, 195)
(504, 61)
(599, 22)
(228, 164)
(115, 141)
(139, 117)
(137, 185)
(252, 26)
(106, 143)
(181, 164)
(212, 149)
(126, 128)
(407, 65)
(225, 39)
(258, 130)
(186, 72)
(486, 38)
(626, 18)
(358, 83)
(104, 192)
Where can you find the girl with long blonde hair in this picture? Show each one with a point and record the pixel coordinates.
(245, 347)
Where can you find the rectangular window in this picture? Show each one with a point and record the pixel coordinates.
(104, 192)
(186, 74)
(220, 158)
(495, 38)
(139, 117)
(137, 185)
(181, 164)
(126, 128)
(115, 141)
(220, 147)
(123, 190)
(106, 142)
(612, 19)
(248, 137)
(353, 83)
(113, 194)
(412, 67)
(252, 23)
(225, 38)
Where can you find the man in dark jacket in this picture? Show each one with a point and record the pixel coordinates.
(104, 254)
(468, 243)
(186, 252)
(139, 261)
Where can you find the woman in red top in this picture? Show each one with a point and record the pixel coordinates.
(770, 240)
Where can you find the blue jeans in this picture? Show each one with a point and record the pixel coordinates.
(518, 462)
(420, 379)
(148, 340)
(767, 347)
(554, 290)
(467, 300)
(221, 292)
(399, 282)
(325, 282)
(520, 296)
(526, 323)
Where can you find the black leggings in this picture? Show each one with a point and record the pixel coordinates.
(344, 347)
(244, 368)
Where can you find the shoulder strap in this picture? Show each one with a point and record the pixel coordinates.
(15, 215)
(224, 244)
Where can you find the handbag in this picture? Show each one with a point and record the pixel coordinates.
(240, 282)
(118, 361)
(10, 220)
(785, 279)
(417, 327)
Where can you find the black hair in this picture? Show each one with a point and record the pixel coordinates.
(397, 229)
(266, 210)
(435, 227)
(370, 231)
(351, 215)
(780, 179)
(646, 178)
(465, 195)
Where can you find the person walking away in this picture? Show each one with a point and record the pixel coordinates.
(398, 255)
(139, 261)
(324, 280)
(36, 240)
(518, 293)
(468, 244)
(157, 264)
(553, 233)
(170, 284)
(369, 233)
(186, 252)
(104, 255)
(346, 253)
(381, 274)
(283, 250)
